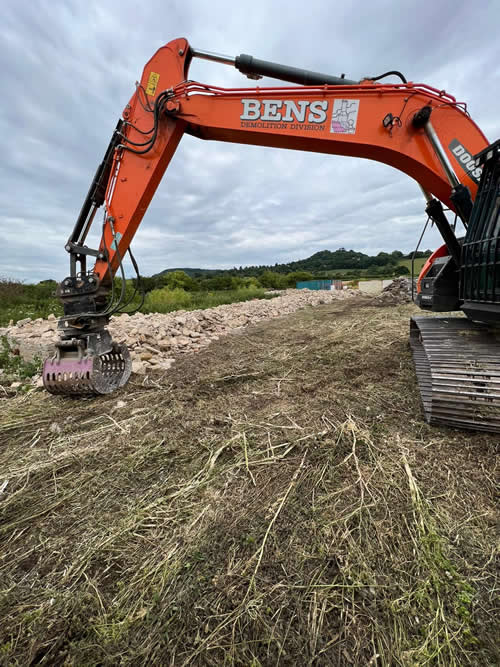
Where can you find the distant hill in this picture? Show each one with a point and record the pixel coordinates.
(324, 260)
(194, 273)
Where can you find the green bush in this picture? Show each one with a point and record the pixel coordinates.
(250, 283)
(223, 282)
(166, 300)
(273, 280)
(212, 299)
(291, 279)
(11, 292)
(180, 280)
(18, 301)
(402, 271)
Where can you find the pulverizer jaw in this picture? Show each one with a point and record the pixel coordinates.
(87, 364)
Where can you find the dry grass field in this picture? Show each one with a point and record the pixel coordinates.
(276, 499)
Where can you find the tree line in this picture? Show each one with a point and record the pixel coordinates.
(324, 262)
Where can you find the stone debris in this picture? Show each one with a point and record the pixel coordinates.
(399, 291)
(154, 339)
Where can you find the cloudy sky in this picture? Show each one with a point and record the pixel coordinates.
(69, 67)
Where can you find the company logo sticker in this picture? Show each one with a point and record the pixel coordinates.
(344, 116)
(465, 159)
(284, 114)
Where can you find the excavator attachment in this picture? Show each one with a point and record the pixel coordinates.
(458, 370)
(87, 366)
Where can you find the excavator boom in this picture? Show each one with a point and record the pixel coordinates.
(415, 128)
(367, 119)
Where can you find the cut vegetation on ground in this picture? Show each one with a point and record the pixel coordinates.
(275, 499)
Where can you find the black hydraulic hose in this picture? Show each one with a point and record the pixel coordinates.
(413, 260)
(135, 143)
(137, 287)
(161, 99)
(392, 72)
(125, 122)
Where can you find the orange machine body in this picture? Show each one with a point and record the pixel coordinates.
(340, 120)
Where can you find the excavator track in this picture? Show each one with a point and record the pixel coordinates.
(70, 374)
(458, 370)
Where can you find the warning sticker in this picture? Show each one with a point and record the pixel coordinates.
(152, 83)
(344, 116)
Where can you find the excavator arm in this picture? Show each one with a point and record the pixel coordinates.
(415, 128)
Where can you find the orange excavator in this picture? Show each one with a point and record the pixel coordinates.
(418, 129)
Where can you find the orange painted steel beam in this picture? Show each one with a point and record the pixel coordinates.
(338, 120)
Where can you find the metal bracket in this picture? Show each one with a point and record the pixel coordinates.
(76, 249)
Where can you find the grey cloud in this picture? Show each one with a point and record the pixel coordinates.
(68, 69)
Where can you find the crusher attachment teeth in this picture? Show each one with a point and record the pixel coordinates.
(458, 370)
(80, 368)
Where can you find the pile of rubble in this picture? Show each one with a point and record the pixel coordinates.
(155, 339)
(399, 291)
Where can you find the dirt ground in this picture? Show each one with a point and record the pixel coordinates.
(276, 499)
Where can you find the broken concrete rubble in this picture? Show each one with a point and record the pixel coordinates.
(152, 339)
